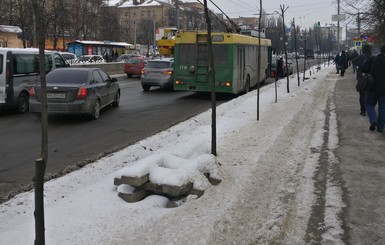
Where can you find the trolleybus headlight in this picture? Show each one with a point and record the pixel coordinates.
(177, 82)
(225, 84)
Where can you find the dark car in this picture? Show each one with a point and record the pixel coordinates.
(134, 66)
(76, 91)
(158, 72)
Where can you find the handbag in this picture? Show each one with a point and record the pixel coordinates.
(366, 82)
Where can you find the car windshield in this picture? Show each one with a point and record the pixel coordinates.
(133, 61)
(67, 76)
(158, 64)
(68, 56)
(84, 58)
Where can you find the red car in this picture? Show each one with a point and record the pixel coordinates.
(134, 66)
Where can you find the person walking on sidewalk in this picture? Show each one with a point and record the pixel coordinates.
(352, 57)
(337, 62)
(376, 95)
(343, 63)
(280, 73)
(358, 62)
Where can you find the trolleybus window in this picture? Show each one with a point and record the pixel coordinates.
(188, 54)
(219, 52)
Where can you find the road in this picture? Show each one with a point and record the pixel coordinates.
(76, 141)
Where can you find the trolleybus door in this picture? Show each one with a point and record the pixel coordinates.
(241, 68)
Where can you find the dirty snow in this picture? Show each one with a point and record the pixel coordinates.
(266, 167)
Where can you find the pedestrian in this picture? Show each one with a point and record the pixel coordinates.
(343, 63)
(352, 57)
(358, 61)
(376, 95)
(279, 68)
(337, 61)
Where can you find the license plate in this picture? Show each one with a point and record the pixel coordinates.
(56, 96)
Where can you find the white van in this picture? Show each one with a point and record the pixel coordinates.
(19, 70)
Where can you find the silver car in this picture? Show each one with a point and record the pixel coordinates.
(76, 91)
(158, 72)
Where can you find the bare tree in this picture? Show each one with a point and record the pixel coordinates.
(295, 31)
(39, 11)
(211, 77)
(59, 21)
(283, 10)
(375, 20)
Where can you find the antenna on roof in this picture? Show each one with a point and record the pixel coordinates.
(236, 28)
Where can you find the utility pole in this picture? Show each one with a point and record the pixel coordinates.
(338, 26)
(358, 24)
(177, 14)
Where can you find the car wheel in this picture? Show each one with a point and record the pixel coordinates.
(117, 100)
(146, 87)
(23, 102)
(96, 110)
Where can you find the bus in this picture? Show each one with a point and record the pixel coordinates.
(235, 62)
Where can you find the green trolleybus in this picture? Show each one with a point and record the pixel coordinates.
(235, 61)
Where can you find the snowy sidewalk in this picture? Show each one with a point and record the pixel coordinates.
(362, 156)
(267, 167)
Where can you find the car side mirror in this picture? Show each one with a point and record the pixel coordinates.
(114, 80)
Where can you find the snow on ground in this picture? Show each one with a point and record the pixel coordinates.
(266, 167)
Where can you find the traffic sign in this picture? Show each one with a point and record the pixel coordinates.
(357, 43)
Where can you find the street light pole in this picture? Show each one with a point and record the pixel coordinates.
(338, 27)
(154, 42)
(135, 31)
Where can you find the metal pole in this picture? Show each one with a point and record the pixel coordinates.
(338, 27)
(135, 31)
(177, 14)
(154, 45)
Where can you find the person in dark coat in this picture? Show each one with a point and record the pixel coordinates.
(337, 61)
(358, 61)
(279, 68)
(352, 57)
(376, 95)
(343, 63)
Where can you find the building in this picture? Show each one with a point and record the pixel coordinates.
(246, 22)
(329, 32)
(139, 16)
(10, 36)
(134, 16)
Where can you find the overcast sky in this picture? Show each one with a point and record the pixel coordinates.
(305, 12)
